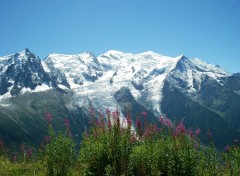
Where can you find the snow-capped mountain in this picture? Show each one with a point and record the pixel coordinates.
(98, 78)
(147, 81)
(77, 68)
(24, 71)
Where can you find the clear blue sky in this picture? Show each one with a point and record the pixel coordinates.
(207, 29)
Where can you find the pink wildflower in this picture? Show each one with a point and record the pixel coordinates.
(129, 120)
(29, 153)
(168, 123)
(165, 122)
(139, 127)
(191, 134)
(180, 129)
(48, 117)
(108, 111)
(147, 132)
(109, 123)
(155, 128)
(101, 116)
(67, 123)
(197, 132)
(114, 115)
(91, 111)
(227, 148)
(144, 114)
(161, 120)
(98, 123)
(47, 139)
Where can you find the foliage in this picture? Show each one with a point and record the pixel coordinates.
(60, 151)
(105, 150)
(113, 147)
(60, 155)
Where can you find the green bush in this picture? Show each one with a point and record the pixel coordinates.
(60, 155)
(113, 148)
(105, 150)
(60, 151)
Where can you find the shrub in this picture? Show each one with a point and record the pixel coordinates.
(112, 148)
(60, 151)
(105, 150)
(60, 155)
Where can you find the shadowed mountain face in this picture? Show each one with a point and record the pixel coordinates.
(199, 94)
(23, 117)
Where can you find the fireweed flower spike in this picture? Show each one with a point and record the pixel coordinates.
(109, 123)
(91, 111)
(191, 134)
(48, 118)
(227, 148)
(144, 114)
(47, 139)
(165, 122)
(129, 120)
(29, 153)
(108, 111)
(168, 123)
(98, 123)
(161, 120)
(180, 129)
(67, 123)
(197, 132)
(139, 127)
(115, 114)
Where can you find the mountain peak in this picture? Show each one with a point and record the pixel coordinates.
(150, 53)
(25, 52)
(24, 55)
(182, 57)
(114, 52)
(89, 54)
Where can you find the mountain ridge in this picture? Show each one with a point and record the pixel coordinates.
(151, 81)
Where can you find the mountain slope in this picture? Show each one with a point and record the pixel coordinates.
(180, 107)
